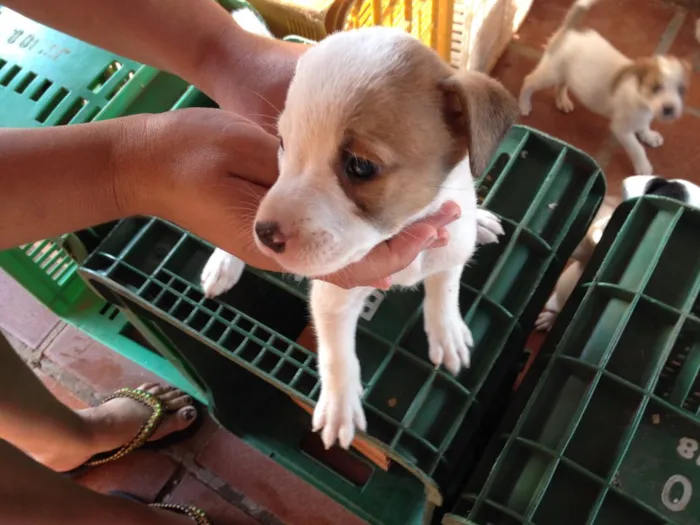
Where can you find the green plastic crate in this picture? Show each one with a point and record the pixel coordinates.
(427, 421)
(606, 427)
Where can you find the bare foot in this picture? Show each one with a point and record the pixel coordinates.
(116, 422)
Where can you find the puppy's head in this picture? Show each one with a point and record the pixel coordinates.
(373, 124)
(661, 81)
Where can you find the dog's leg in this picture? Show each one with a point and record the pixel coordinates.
(543, 76)
(564, 103)
(488, 227)
(449, 338)
(339, 409)
(221, 273)
(634, 149)
(651, 138)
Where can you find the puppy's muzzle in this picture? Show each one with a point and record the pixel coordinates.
(270, 235)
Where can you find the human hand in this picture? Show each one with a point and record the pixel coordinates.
(207, 170)
(395, 254)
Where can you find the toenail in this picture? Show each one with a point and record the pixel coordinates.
(189, 414)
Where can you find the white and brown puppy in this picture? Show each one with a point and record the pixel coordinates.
(631, 93)
(377, 133)
(632, 187)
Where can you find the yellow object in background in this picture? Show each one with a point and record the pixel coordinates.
(469, 34)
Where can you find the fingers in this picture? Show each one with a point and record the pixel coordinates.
(395, 254)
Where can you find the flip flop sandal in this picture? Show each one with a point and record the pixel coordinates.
(196, 514)
(158, 414)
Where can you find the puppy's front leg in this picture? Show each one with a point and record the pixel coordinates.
(634, 150)
(339, 409)
(449, 338)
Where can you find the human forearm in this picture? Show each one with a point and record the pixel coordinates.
(184, 37)
(57, 180)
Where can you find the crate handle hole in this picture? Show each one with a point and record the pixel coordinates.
(340, 461)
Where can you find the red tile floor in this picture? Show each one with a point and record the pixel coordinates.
(214, 469)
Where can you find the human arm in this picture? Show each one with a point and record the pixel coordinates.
(194, 39)
(205, 170)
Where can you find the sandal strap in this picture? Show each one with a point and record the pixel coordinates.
(158, 412)
(195, 513)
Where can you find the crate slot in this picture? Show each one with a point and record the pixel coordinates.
(108, 72)
(41, 88)
(679, 380)
(152, 247)
(493, 174)
(644, 342)
(372, 354)
(72, 111)
(617, 509)
(601, 430)
(444, 401)
(682, 253)
(512, 284)
(554, 209)
(638, 252)
(517, 484)
(340, 461)
(568, 496)
(524, 179)
(486, 258)
(396, 388)
(8, 76)
(120, 85)
(51, 104)
(23, 84)
(598, 320)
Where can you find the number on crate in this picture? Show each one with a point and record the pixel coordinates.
(687, 449)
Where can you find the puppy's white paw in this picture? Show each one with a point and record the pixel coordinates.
(651, 138)
(545, 320)
(488, 227)
(449, 340)
(221, 273)
(338, 412)
(565, 105)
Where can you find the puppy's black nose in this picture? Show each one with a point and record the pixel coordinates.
(668, 110)
(270, 235)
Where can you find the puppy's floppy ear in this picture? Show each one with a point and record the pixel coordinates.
(479, 111)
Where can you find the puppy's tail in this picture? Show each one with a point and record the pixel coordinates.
(572, 21)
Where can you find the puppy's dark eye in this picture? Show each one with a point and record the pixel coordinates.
(281, 143)
(656, 89)
(681, 90)
(358, 168)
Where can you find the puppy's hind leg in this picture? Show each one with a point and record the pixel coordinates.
(543, 76)
(564, 103)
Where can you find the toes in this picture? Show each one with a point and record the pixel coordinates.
(146, 387)
(178, 402)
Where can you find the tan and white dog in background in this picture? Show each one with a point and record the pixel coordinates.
(377, 133)
(631, 93)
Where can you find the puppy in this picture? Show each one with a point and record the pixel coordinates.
(377, 133)
(631, 93)
(632, 187)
